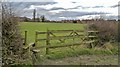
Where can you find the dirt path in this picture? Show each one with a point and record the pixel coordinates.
(85, 60)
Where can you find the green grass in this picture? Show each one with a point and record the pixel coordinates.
(36, 26)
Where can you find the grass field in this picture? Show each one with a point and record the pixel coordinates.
(58, 53)
(32, 27)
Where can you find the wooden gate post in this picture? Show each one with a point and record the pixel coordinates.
(25, 37)
(36, 38)
(47, 41)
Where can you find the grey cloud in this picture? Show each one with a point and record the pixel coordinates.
(30, 0)
(72, 15)
(56, 16)
(112, 17)
(86, 7)
(39, 11)
(27, 4)
(75, 7)
(43, 3)
(114, 6)
(79, 6)
(74, 2)
(57, 8)
(98, 7)
(20, 6)
(42, 11)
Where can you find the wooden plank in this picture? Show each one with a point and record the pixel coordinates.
(65, 37)
(62, 31)
(92, 31)
(41, 39)
(36, 35)
(79, 30)
(56, 31)
(25, 40)
(57, 46)
(40, 32)
(63, 45)
(36, 50)
(91, 36)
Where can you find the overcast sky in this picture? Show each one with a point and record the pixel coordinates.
(71, 9)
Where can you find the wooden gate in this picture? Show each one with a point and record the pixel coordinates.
(72, 34)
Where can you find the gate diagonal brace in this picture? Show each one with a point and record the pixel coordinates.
(61, 40)
(73, 33)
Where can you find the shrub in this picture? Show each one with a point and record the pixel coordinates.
(74, 21)
(108, 31)
(11, 37)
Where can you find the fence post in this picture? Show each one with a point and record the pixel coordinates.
(36, 38)
(47, 41)
(25, 37)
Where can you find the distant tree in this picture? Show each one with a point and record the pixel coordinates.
(74, 21)
(96, 18)
(43, 19)
(34, 14)
(38, 19)
(26, 19)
